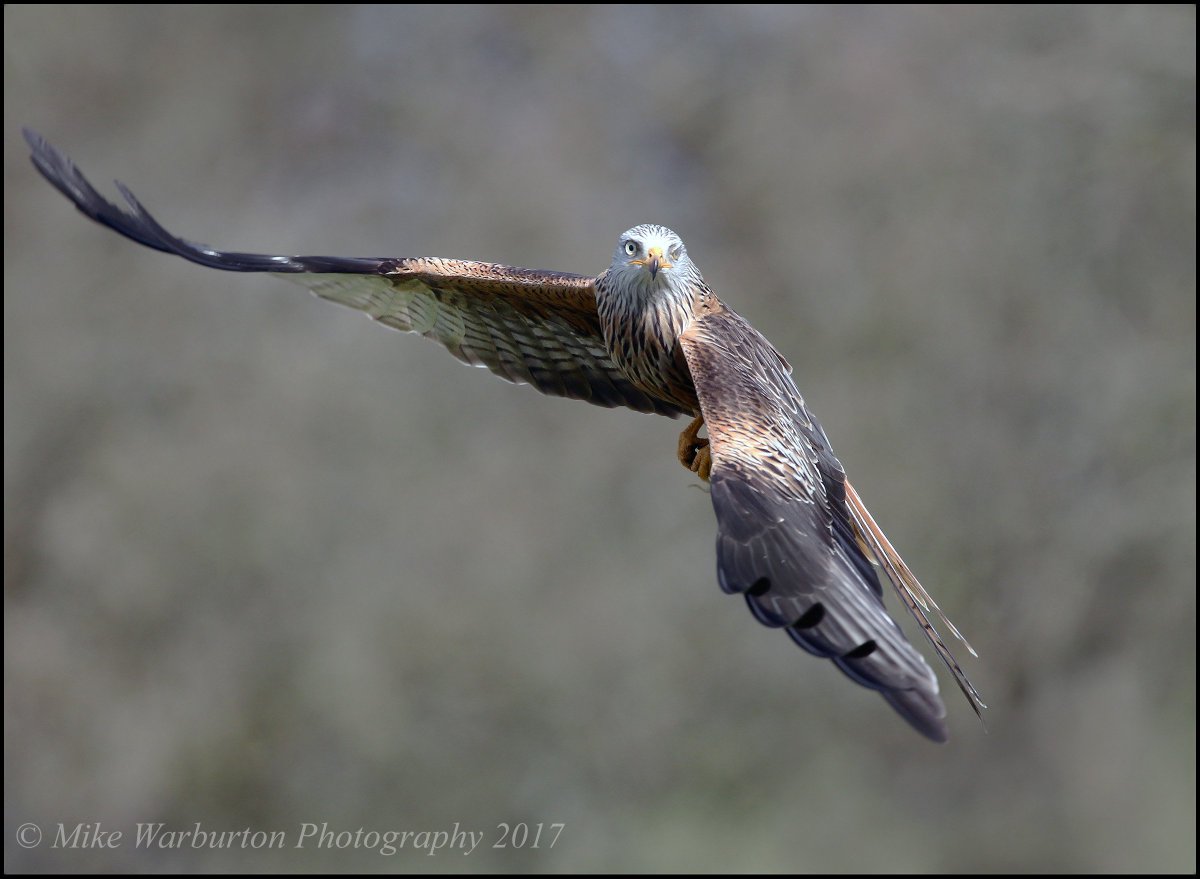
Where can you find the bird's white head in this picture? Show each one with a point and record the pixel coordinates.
(650, 257)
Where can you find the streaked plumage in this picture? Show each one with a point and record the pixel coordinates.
(793, 537)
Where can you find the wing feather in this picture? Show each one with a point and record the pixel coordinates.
(525, 325)
(785, 540)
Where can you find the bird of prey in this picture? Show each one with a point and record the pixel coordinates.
(793, 537)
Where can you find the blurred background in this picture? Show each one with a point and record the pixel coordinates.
(267, 563)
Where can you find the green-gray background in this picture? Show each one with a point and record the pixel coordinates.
(267, 563)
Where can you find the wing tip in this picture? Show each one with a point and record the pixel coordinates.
(32, 138)
(136, 223)
(924, 712)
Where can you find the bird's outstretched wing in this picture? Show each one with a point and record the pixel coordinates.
(527, 326)
(785, 540)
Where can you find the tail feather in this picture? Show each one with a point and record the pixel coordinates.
(914, 596)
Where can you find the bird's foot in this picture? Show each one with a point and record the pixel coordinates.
(694, 451)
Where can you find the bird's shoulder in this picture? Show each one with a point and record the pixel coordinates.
(562, 288)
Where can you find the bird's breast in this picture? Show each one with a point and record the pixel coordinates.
(644, 344)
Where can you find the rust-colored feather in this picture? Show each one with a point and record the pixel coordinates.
(793, 536)
(912, 593)
(525, 325)
(785, 537)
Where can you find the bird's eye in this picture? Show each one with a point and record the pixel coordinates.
(676, 251)
(630, 248)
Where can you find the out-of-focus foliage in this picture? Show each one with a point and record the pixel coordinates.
(267, 563)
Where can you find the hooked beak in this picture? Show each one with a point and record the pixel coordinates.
(656, 261)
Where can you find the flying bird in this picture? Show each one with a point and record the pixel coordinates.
(793, 537)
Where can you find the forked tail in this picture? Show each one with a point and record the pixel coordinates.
(912, 593)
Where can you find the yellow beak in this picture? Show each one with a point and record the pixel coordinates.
(656, 261)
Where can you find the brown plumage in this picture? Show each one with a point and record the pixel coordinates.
(793, 536)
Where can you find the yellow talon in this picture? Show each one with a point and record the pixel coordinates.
(694, 452)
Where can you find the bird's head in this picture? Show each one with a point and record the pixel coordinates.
(650, 256)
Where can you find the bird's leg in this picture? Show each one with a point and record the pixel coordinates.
(694, 452)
